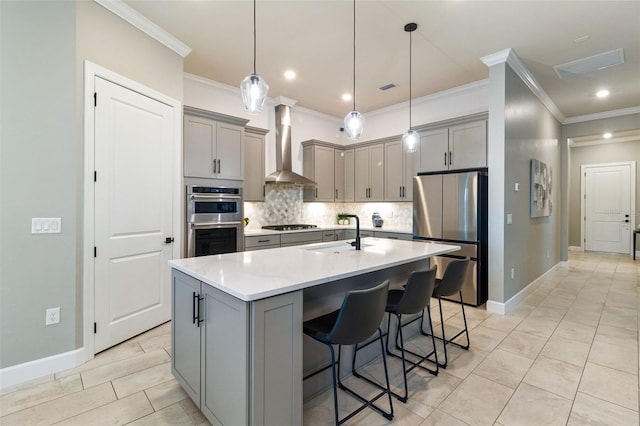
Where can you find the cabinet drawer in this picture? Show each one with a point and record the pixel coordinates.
(256, 241)
(394, 235)
(295, 238)
(328, 235)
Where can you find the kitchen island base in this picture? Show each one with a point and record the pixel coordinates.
(237, 337)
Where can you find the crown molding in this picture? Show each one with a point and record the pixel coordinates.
(601, 115)
(509, 57)
(129, 14)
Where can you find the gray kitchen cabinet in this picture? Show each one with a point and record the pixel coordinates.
(254, 175)
(345, 175)
(300, 238)
(185, 336)
(468, 145)
(393, 235)
(318, 164)
(329, 235)
(400, 168)
(212, 335)
(205, 322)
(463, 146)
(213, 148)
(350, 234)
(260, 242)
(369, 173)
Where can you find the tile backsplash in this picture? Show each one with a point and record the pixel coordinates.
(283, 204)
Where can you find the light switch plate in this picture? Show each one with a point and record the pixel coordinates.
(46, 225)
(509, 219)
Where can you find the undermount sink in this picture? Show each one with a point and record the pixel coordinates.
(336, 248)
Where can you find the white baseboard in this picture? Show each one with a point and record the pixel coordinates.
(575, 248)
(508, 306)
(35, 369)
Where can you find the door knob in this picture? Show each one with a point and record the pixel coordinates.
(168, 240)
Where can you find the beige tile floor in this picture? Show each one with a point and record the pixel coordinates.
(568, 354)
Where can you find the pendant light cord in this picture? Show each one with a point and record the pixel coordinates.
(410, 49)
(254, 36)
(354, 55)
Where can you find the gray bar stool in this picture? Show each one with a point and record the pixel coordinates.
(450, 285)
(412, 300)
(358, 318)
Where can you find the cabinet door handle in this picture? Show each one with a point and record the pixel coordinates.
(195, 302)
(316, 192)
(219, 169)
(400, 188)
(264, 190)
(445, 158)
(214, 165)
(264, 241)
(336, 193)
(450, 157)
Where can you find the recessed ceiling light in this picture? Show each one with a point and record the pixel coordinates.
(346, 97)
(289, 74)
(602, 93)
(607, 135)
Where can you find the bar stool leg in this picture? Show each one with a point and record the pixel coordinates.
(335, 390)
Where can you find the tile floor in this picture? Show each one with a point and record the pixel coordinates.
(568, 354)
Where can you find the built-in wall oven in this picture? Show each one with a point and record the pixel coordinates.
(214, 220)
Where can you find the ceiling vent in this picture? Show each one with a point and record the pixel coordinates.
(387, 86)
(592, 63)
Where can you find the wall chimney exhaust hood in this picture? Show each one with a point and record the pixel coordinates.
(283, 173)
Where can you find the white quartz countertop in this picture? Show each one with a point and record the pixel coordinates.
(258, 232)
(254, 275)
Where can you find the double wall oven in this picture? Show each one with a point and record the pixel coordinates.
(214, 220)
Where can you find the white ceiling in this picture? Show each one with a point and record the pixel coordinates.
(314, 38)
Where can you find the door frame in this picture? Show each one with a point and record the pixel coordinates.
(583, 207)
(91, 71)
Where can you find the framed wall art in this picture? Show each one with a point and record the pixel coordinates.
(541, 189)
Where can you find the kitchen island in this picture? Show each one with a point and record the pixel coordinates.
(237, 338)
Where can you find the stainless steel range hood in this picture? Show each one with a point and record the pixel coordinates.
(283, 173)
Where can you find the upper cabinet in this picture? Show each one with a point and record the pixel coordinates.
(369, 173)
(345, 175)
(399, 170)
(456, 147)
(213, 145)
(318, 164)
(254, 176)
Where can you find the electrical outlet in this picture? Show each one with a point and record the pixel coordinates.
(513, 273)
(52, 316)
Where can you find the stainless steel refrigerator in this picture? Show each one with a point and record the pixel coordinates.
(451, 207)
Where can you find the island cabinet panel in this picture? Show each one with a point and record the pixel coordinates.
(225, 344)
(185, 334)
(240, 362)
(276, 373)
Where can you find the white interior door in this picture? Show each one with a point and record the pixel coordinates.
(133, 213)
(607, 200)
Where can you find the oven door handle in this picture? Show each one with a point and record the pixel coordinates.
(213, 225)
(221, 197)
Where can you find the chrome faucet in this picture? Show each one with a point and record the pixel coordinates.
(355, 243)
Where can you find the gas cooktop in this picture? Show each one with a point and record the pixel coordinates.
(292, 227)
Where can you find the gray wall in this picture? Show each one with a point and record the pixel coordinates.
(43, 47)
(607, 153)
(38, 168)
(531, 245)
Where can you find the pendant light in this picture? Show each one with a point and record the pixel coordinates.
(254, 89)
(411, 138)
(354, 121)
